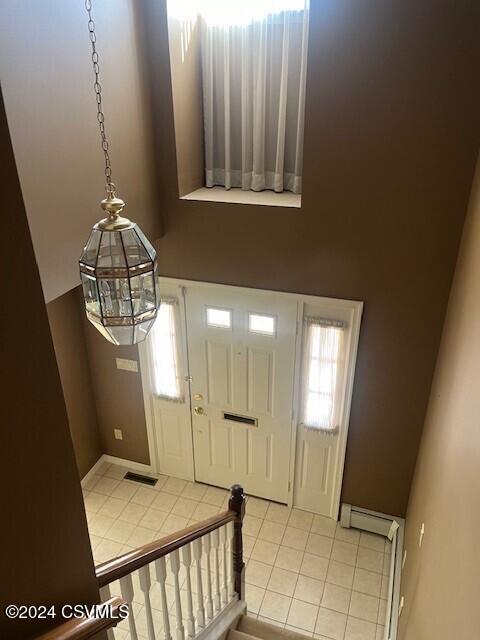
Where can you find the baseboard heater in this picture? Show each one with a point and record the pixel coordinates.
(393, 529)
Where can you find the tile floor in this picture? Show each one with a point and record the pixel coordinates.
(303, 572)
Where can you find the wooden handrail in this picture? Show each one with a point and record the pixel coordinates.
(84, 628)
(125, 564)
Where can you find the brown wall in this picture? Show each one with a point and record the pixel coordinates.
(185, 61)
(48, 88)
(45, 550)
(119, 399)
(441, 580)
(66, 325)
(391, 137)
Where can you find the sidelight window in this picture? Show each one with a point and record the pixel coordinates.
(322, 367)
(165, 336)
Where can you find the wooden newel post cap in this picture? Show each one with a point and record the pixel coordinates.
(237, 500)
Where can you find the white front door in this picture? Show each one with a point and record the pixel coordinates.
(241, 350)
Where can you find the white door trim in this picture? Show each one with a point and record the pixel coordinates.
(354, 306)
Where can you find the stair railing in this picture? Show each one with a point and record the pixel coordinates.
(209, 557)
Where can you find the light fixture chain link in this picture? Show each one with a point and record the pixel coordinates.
(110, 187)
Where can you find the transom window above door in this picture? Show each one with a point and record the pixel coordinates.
(238, 82)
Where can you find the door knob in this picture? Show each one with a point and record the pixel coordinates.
(199, 411)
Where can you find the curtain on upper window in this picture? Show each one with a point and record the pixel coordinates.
(165, 336)
(323, 358)
(254, 70)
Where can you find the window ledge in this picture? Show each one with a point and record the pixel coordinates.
(238, 196)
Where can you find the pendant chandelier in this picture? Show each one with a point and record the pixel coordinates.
(118, 265)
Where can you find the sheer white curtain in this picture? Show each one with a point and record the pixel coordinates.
(254, 96)
(164, 338)
(322, 368)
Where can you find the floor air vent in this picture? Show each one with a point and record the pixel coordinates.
(137, 477)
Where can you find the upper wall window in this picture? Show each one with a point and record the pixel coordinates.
(252, 64)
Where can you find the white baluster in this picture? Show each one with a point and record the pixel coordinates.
(208, 597)
(145, 586)
(187, 561)
(215, 544)
(231, 575)
(161, 572)
(175, 564)
(126, 589)
(197, 556)
(104, 596)
(223, 544)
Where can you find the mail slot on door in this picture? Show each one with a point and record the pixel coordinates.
(234, 417)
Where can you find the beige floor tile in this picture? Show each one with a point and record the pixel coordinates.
(300, 519)
(369, 559)
(174, 486)
(271, 531)
(184, 507)
(275, 606)
(372, 541)
(275, 623)
(194, 491)
(144, 495)
(319, 545)
(367, 582)
(264, 551)
(106, 486)
(124, 491)
(340, 574)
(256, 507)
(364, 606)
(347, 535)
(324, 526)
(164, 501)
(174, 523)
(106, 550)
(94, 501)
(248, 542)
(282, 581)
(278, 513)
(344, 552)
(384, 587)
(153, 519)
(295, 538)
(91, 482)
(302, 615)
(112, 507)
(252, 525)
(204, 510)
(331, 624)
(258, 573)
(359, 629)
(288, 558)
(386, 564)
(99, 525)
(120, 531)
(382, 612)
(314, 566)
(254, 597)
(309, 590)
(133, 513)
(336, 598)
(215, 496)
(380, 633)
(141, 536)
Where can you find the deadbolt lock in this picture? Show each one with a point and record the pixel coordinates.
(199, 411)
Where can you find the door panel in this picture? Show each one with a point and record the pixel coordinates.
(248, 374)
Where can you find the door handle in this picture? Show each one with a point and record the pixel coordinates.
(199, 411)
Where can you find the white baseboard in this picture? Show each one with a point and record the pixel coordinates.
(129, 464)
(392, 528)
(92, 471)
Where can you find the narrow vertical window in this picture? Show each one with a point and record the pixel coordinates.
(322, 365)
(165, 336)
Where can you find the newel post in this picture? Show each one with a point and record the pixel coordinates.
(237, 504)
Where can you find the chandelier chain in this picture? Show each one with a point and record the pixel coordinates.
(109, 185)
